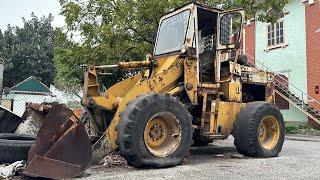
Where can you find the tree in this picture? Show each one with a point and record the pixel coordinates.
(69, 57)
(108, 27)
(28, 51)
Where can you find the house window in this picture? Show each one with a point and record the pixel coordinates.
(275, 34)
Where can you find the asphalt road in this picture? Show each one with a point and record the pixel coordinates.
(300, 159)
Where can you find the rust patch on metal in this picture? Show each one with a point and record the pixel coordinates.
(62, 148)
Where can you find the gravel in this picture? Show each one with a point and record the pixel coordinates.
(298, 160)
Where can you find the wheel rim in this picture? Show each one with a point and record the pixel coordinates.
(269, 132)
(162, 135)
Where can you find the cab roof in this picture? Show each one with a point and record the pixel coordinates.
(202, 5)
(191, 6)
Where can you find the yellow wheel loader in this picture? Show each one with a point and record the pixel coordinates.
(196, 88)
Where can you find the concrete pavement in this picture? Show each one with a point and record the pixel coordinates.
(300, 159)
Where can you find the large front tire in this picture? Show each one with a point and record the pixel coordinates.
(259, 130)
(154, 131)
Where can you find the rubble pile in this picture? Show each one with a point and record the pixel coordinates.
(114, 160)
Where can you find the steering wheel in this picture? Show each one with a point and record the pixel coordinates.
(121, 74)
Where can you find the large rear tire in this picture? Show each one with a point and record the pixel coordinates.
(154, 131)
(259, 130)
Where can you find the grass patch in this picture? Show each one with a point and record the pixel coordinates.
(294, 129)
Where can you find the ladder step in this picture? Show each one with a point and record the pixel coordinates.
(313, 109)
(314, 114)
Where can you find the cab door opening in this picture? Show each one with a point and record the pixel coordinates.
(207, 25)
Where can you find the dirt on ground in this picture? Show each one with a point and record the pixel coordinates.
(298, 160)
(112, 160)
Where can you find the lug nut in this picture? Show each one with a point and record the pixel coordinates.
(91, 102)
(189, 86)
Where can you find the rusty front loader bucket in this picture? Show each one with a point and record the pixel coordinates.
(62, 148)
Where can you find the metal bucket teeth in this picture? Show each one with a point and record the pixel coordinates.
(62, 148)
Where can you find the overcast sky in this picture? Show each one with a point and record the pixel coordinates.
(12, 11)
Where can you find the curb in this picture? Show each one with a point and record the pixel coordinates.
(303, 138)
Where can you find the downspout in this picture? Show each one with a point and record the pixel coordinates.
(244, 39)
(1, 77)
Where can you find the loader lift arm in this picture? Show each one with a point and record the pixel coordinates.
(117, 97)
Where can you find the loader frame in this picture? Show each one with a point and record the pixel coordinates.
(218, 102)
(197, 87)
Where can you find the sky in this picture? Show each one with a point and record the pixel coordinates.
(12, 11)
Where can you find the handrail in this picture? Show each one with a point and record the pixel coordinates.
(309, 98)
(296, 98)
(301, 109)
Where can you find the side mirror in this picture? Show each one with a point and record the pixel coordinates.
(230, 28)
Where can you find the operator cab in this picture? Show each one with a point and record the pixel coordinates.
(214, 35)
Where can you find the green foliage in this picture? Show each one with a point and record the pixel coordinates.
(296, 129)
(109, 27)
(265, 10)
(292, 129)
(28, 51)
(68, 60)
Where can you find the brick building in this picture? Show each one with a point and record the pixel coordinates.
(291, 48)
